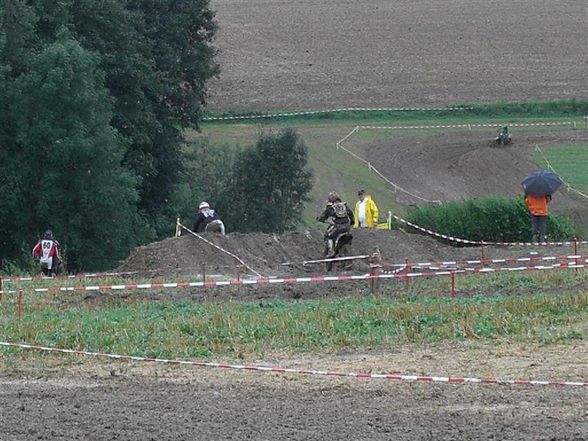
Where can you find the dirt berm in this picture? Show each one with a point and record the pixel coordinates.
(187, 255)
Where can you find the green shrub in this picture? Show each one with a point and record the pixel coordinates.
(492, 219)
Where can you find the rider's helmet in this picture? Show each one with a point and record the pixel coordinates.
(203, 205)
(48, 235)
(333, 197)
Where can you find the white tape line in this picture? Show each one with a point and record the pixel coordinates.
(282, 370)
(344, 109)
(234, 256)
(395, 186)
(453, 263)
(296, 280)
(483, 243)
(463, 126)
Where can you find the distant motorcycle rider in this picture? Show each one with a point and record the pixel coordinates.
(504, 136)
(339, 217)
(49, 254)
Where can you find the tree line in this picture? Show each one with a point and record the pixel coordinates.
(258, 188)
(94, 98)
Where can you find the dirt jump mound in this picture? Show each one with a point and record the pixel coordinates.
(185, 256)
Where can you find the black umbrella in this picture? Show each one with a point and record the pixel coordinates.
(541, 183)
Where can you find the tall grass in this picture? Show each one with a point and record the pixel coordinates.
(189, 329)
(496, 219)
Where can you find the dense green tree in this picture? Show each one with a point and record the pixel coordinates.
(206, 176)
(68, 159)
(157, 56)
(270, 184)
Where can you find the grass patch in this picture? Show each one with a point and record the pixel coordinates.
(569, 161)
(496, 219)
(188, 329)
(522, 109)
(338, 171)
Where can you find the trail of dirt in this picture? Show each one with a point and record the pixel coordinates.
(289, 54)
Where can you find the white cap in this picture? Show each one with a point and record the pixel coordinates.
(203, 205)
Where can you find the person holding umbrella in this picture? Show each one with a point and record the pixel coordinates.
(539, 186)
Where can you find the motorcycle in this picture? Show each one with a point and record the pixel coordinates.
(340, 248)
(504, 137)
(56, 270)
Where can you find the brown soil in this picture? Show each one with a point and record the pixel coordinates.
(185, 256)
(453, 166)
(105, 401)
(289, 54)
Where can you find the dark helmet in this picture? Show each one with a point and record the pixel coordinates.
(48, 235)
(333, 197)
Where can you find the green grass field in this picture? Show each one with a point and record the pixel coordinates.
(539, 308)
(337, 170)
(546, 308)
(570, 161)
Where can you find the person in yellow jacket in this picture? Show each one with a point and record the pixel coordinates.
(366, 211)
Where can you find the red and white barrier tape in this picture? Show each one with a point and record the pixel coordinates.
(327, 260)
(344, 109)
(75, 276)
(500, 260)
(579, 263)
(301, 371)
(474, 242)
(297, 280)
(488, 261)
(234, 256)
(467, 126)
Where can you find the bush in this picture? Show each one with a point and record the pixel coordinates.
(492, 219)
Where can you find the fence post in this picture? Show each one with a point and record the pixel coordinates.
(204, 273)
(237, 269)
(576, 252)
(375, 265)
(178, 229)
(407, 279)
(1, 287)
(19, 303)
(482, 251)
(452, 283)
(389, 220)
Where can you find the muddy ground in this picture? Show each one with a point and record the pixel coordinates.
(105, 401)
(455, 166)
(187, 256)
(286, 54)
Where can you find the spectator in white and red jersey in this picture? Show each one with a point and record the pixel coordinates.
(48, 252)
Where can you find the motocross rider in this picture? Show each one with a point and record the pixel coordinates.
(48, 252)
(339, 217)
(504, 136)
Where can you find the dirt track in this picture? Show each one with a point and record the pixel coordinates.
(97, 401)
(108, 409)
(454, 166)
(286, 54)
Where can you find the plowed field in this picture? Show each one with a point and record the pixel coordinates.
(285, 54)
